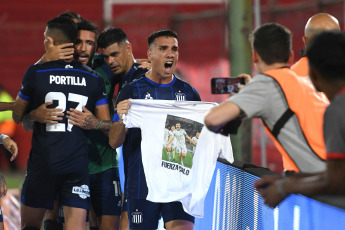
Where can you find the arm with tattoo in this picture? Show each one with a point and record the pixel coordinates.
(87, 120)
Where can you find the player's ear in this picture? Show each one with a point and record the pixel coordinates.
(149, 54)
(255, 56)
(129, 48)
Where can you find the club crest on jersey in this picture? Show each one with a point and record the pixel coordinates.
(83, 191)
(148, 96)
(179, 96)
(137, 217)
(68, 67)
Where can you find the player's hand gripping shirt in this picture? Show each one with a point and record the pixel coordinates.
(169, 179)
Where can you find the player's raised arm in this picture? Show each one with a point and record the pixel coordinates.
(117, 133)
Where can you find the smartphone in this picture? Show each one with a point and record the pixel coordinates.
(226, 85)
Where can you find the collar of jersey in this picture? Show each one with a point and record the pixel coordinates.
(161, 85)
(131, 71)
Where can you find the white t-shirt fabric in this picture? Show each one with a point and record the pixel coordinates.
(195, 139)
(169, 181)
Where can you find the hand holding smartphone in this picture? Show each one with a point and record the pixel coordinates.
(226, 85)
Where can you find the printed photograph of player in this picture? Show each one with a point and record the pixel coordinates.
(178, 145)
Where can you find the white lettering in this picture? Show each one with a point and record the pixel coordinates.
(63, 80)
(67, 80)
(51, 79)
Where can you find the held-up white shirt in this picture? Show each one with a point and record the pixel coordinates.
(170, 181)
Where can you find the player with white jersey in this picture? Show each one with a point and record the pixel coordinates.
(195, 139)
(181, 135)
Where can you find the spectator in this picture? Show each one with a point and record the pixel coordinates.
(326, 55)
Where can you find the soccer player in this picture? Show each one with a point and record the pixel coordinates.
(170, 144)
(181, 135)
(58, 157)
(195, 139)
(157, 83)
(118, 56)
(105, 188)
(11, 146)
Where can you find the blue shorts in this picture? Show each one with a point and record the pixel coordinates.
(105, 191)
(42, 186)
(144, 214)
(1, 218)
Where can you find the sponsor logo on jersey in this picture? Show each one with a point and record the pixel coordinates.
(68, 67)
(83, 191)
(67, 80)
(137, 217)
(179, 96)
(148, 96)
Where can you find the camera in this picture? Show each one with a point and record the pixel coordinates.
(226, 85)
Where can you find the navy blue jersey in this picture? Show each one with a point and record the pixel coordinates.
(67, 85)
(134, 73)
(144, 88)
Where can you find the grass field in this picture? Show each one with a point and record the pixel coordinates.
(14, 179)
(187, 161)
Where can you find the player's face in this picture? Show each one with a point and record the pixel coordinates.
(118, 56)
(178, 126)
(85, 46)
(172, 128)
(197, 135)
(163, 55)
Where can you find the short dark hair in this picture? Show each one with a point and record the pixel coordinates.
(71, 15)
(89, 26)
(326, 54)
(110, 36)
(272, 42)
(161, 33)
(62, 29)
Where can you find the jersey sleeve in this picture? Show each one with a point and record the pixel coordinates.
(252, 98)
(125, 94)
(196, 96)
(28, 84)
(334, 132)
(101, 96)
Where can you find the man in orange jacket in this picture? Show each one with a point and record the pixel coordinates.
(326, 54)
(288, 108)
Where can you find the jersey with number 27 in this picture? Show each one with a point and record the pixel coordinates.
(67, 85)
